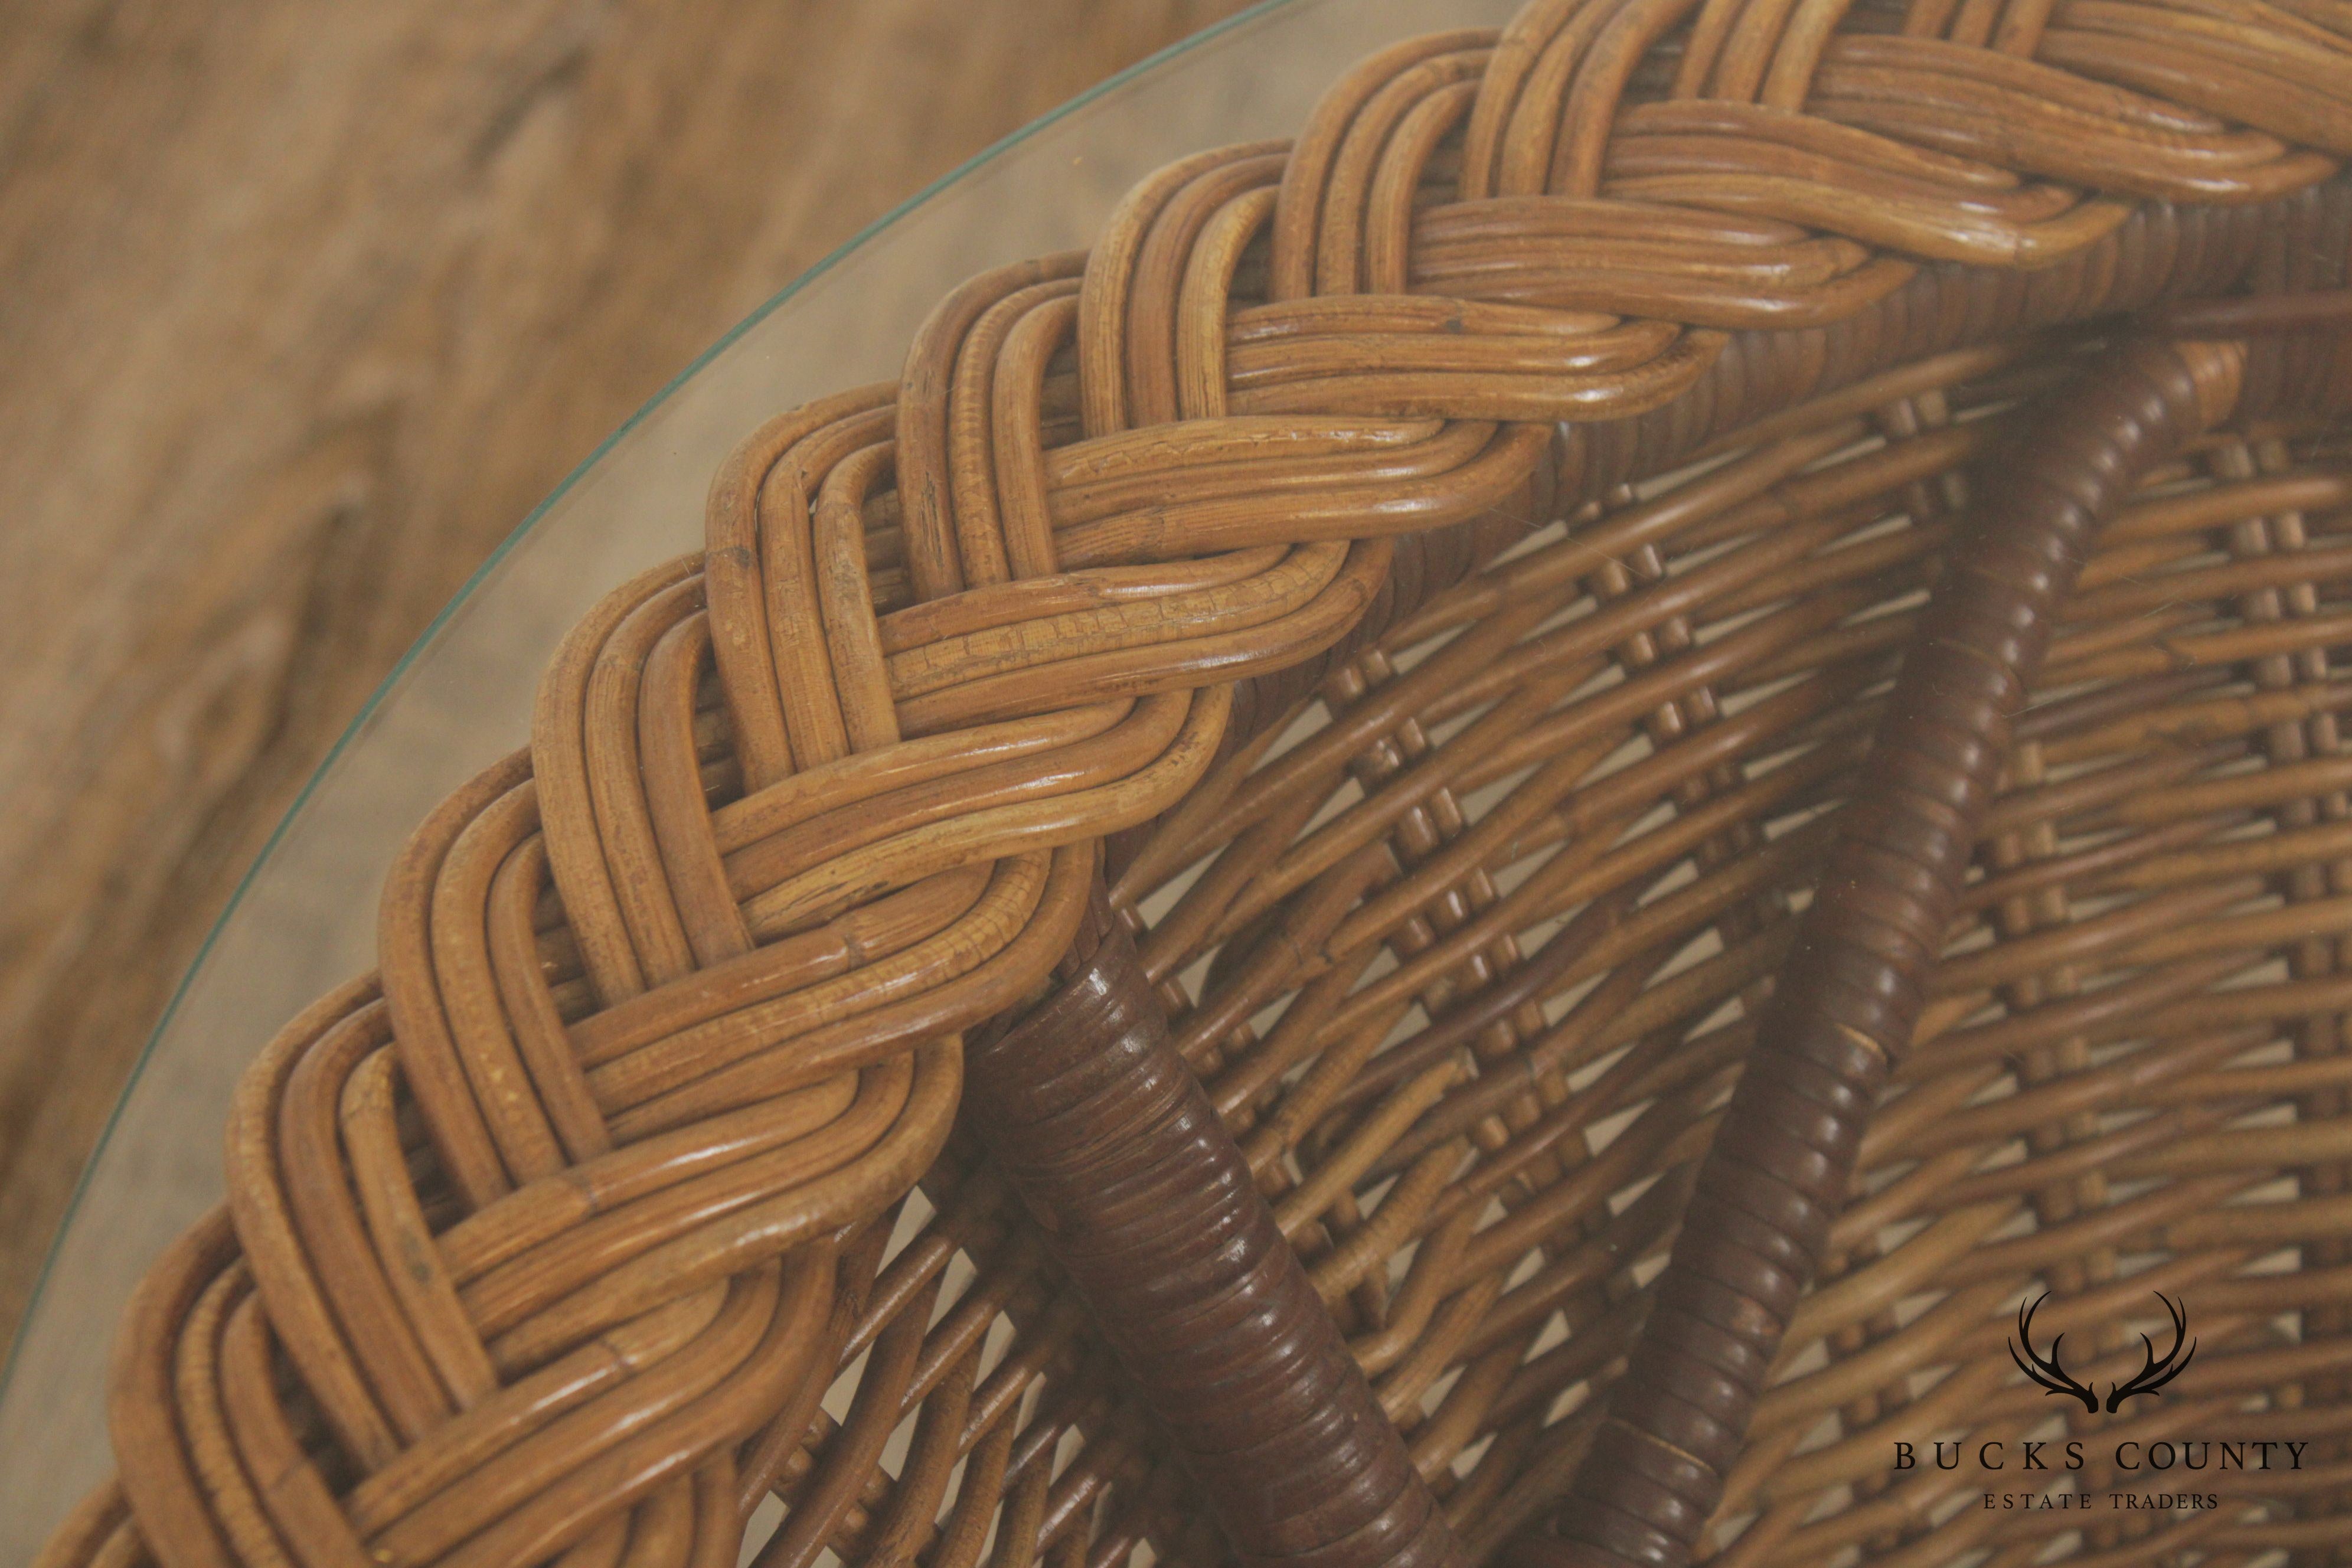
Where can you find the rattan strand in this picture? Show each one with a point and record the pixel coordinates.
(1463, 862)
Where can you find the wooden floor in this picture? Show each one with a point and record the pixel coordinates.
(302, 309)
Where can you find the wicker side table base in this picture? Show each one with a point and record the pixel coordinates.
(546, 1241)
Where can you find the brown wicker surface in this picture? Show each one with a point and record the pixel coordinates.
(1370, 695)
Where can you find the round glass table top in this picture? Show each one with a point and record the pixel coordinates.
(303, 921)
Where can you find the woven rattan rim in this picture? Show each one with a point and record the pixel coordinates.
(544, 1241)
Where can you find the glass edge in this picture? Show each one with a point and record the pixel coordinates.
(498, 552)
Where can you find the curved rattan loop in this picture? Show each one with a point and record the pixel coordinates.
(548, 1241)
(1845, 1004)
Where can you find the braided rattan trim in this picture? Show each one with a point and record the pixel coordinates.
(546, 1239)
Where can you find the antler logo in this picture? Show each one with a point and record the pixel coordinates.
(2049, 1373)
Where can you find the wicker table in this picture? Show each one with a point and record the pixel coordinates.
(1562, 777)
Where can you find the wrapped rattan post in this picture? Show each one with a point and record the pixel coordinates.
(1846, 1001)
(1143, 1196)
(1461, 875)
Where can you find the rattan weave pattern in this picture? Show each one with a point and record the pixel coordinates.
(1194, 568)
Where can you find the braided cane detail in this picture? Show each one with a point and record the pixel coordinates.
(544, 1241)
